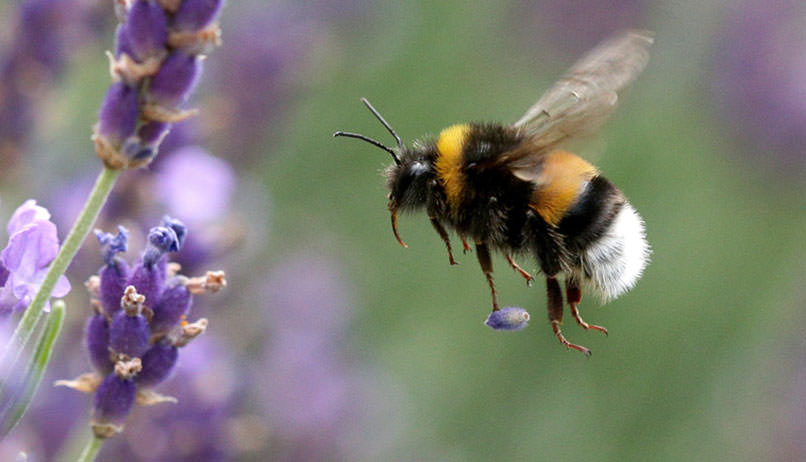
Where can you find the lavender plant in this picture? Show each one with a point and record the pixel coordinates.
(139, 323)
(155, 66)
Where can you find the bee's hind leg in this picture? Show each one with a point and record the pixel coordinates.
(555, 307)
(486, 263)
(445, 238)
(573, 293)
(529, 278)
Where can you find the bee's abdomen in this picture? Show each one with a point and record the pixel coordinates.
(592, 213)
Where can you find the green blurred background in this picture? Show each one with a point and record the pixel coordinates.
(705, 357)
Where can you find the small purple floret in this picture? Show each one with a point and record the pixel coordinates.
(97, 337)
(113, 244)
(129, 335)
(509, 318)
(149, 279)
(174, 303)
(195, 15)
(146, 26)
(119, 111)
(175, 80)
(158, 363)
(113, 400)
(114, 275)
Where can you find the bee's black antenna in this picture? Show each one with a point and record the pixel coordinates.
(375, 142)
(384, 122)
(370, 141)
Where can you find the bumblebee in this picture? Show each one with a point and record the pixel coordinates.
(512, 189)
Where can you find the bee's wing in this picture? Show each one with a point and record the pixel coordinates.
(588, 92)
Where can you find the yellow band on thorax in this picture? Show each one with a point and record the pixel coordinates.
(450, 145)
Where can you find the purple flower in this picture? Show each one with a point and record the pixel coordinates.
(760, 81)
(137, 345)
(33, 243)
(159, 63)
(509, 318)
(263, 70)
(196, 184)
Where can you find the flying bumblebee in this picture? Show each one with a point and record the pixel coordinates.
(511, 189)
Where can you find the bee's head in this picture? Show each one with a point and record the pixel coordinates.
(407, 178)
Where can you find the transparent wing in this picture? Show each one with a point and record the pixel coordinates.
(582, 99)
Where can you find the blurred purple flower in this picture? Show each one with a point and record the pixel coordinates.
(33, 243)
(254, 80)
(575, 26)
(760, 80)
(44, 31)
(319, 397)
(195, 185)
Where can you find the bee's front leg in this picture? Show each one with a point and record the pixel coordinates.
(574, 295)
(445, 238)
(555, 307)
(486, 263)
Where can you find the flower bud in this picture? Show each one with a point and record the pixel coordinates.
(129, 333)
(195, 15)
(172, 85)
(113, 401)
(178, 227)
(146, 27)
(119, 111)
(509, 318)
(115, 274)
(97, 334)
(149, 279)
(144, 146)
(158, 362)
(174, 303)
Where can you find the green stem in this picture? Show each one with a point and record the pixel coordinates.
(36, 370)
(103, 185)
(91, 449)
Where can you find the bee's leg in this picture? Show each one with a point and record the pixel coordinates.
(465, 246)
(445, 238)
(486, 263)
(574, 295)
(555, 306)
(523, 272)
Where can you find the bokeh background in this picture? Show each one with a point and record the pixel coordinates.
(334, 343)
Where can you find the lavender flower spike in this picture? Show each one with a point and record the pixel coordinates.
(509, 318)
(137, 347)
(155, 66)
(33, 243)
